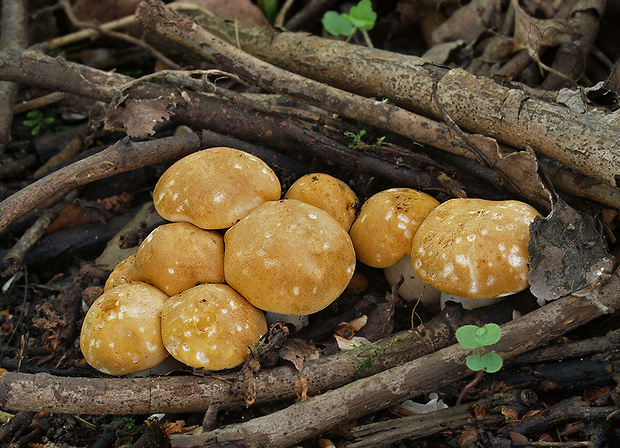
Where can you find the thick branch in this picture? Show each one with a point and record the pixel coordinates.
(323, 412)
(118, 158)
(14, 36)
(511, 115)
(19, 391)
(182, 30)
(234, 118)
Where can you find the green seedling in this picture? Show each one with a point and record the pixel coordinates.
(41, 124)
(357, 141)
(475, 338)
(361, 17)
(269, 8)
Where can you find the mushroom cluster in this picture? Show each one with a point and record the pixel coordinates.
(232, 251)
(200, 286)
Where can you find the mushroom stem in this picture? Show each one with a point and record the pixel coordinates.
(467, 303)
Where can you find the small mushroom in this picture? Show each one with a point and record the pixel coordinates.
(327, 193)
(214, 188)
(475, 248)
(382, 236)
(211, 327)
(383, 231)
(177, 256)
(288, 257)
(121, 333)
(122, 273)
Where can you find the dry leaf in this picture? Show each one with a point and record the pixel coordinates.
(536, 34)
(350, 344)
(139, 117)
(297, 351)
(469, 21)
(567, 253)
(301, 388)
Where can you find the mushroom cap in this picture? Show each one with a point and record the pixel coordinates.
(383, 231)
(211, 327)
(122, 273)
(475, 248)
(327, 193)
(121, 332)
(214, 188)
(177, 256)
(288, 257)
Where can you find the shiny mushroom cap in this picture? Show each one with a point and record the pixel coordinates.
(289, 257)
(211, 327)
(214, 188)
(327, 193)
(121, 333)
(122, 273)
(475, 248)
(383, 231)
(177, 256)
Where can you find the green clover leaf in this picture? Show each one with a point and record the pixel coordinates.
(489, 362)
(362, 16)
(473, 337)
(337, 24)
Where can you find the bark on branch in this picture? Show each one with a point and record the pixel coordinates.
(513, 116)
(20, 391)
(323, 412)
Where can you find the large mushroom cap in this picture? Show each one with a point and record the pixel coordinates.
(177, 256)
(288, 257)
(214, 188)
(383, 231)
(211, 327)
(475, 248)
(327, 193)
(121, 332)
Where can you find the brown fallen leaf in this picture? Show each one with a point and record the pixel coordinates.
(468, 22)
(567, 253)
(139, 117)
(536, 34)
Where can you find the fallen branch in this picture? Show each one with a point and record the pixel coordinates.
(180, 394)
(118, 158)
(15, 36)
(233, 118)
(514, 116)
(321, 413)
(380, 114)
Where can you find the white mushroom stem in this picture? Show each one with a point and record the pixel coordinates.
(467, 303)
(412, 288)
(298, 321)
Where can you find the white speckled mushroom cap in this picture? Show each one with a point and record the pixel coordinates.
(177, 256)
(121, 332)
(475, 248)
(211, 327)
(327, 193)
(122, 273)
(288, 257)
(214, 188)
(383, 231)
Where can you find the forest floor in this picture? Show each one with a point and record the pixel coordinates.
(490, 99)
